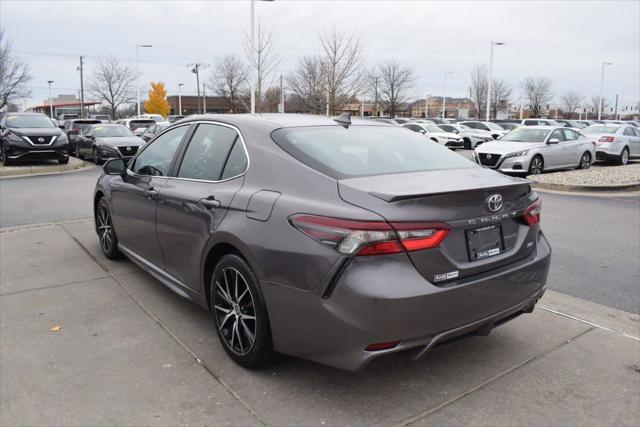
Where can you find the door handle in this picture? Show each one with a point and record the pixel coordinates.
(210, 202)
(151, 194)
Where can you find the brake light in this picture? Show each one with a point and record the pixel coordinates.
(532, 213)
(364, 238)
(74, 131)
(382, 346)
(606, 139)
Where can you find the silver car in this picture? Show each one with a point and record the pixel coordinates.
(615, 143)
(471, 137)
(535, 149)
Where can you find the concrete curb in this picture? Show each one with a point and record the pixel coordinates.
(22, 171)
(586, 188)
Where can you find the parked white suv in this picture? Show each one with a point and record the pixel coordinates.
(615, 143)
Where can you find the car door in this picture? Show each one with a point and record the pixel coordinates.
(134, 197)
(633, 135)
(193, 203)
(555, 155)
(574, 146)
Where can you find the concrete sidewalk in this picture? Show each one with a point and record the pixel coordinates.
(130, 352)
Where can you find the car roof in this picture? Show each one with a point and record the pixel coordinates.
(23, 113)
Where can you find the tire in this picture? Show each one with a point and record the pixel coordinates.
(96, 157)
(585, 161)
(78, 154)
(63, 161)
(239, 311)
(5, 161)
(467, 144)
(106, 233)
(623, 158)
(536, 165)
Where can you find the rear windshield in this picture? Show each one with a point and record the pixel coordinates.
(366, 150)
(600, 129)
(526, 135)
(135, 124)
(26, 121)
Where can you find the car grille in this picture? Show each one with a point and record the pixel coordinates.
(40, 140)
(128, 151)
(487, 159)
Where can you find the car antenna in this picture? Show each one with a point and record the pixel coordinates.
(343, 120)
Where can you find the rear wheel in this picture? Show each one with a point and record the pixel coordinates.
(536, 166)
(96, 157)
(106, 232)
(467, 144)
(585, 161)
(63, 161)
(623, 159)
(240, 313)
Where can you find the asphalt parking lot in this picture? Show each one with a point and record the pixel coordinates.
(131, 352)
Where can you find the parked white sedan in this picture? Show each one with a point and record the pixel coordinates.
(470, 137)
(448, 139)
(615, 143)
(535, 149)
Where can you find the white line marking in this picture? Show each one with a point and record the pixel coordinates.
(624, 334)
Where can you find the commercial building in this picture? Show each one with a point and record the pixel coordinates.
(64, 104)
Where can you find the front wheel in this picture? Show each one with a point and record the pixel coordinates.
(585, 161)
(623, 159)
(106, 233)
(467, 144)
(97, 159)
(63, 161)
(4, 158)
(536, 166)
(240, 313)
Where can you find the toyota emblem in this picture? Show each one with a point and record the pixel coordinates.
(494, 203)
(41, 139)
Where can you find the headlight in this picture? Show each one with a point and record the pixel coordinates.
(105, 147)
(12, 137)
(516, 154)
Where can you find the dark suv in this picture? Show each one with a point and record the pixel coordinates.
(29, 136)
(73, 127)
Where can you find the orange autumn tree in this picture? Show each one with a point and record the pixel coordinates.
(157, 103)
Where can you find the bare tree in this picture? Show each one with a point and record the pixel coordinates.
(229, 81)
(500, 94)
(263, 59)
(14, 74)
(478, 88)
(395, 81)
(538, 92)
(309, 83)
(271, 99)
(113, 84)
(595, 104)
(571, 101)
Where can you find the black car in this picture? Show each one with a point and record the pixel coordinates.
(106, 141)
(30, 136)
(73, 127)
(154, 129)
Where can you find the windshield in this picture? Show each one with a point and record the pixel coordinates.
(137, 124)
(493, 126)
(26, 121)
(526, 135)
(365, 150)
(448, 128)
(112, 131)
(600, 129)
(432, 128)
(464, 127)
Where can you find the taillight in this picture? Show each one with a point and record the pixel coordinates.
(364, 238)
(74, 131)
(606, 139)
(532, 213)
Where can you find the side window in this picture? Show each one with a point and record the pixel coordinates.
(636, 131)
(557, 134)
(237, 162)
(570, 134)
(152, 129)
(530, 122)
(207, 152)
(629, 132)
(414, 128)
(156, 158)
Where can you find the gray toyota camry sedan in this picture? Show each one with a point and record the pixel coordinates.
(330, 239)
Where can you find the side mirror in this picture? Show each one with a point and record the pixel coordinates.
(553, 141)
(422, 131)
(115, 167)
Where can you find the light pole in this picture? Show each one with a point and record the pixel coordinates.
(601, 100)
(490, 77)
(180, 98)
(444, 94)
(50, 101)
(138, 46)
(253, 52)
(426, 106)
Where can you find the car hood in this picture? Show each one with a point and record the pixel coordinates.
(121, 141)
(36, 131)
(505, 147)
(444, 135)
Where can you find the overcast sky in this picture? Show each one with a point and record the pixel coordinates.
(565, 41)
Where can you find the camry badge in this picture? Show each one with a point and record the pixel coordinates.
(494, 203)
(41, 139)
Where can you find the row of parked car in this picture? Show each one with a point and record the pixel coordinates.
(533, 146)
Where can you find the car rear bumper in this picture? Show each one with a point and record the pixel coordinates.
(380, 300)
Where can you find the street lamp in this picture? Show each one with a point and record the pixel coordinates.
(253, 52)
(50, 101)
(180, 98)
(490, 72)
(426, 106)
(444, 94)
(138, 46)
(601, 100)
